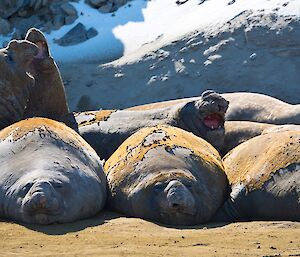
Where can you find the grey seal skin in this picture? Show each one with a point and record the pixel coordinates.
(49, 174)
(15, 81)
(245, 106)
(237, 132)
(264, 174)
(167, 175)
(48, 99)
(105, 130)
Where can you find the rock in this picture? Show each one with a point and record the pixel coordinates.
(106, 8)
(96, 3)
(69, 9)
(92, 32)
(9, 7)
(76, 35)
(58, 21)
(4, 27)
(23, 24)
(70, 19)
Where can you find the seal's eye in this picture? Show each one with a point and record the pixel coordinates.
(27, 187)
(159, 186)
(58, 185)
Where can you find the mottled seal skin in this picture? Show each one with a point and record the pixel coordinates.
(167, 175)
(48, 99)
(105, 130)
(264, 174)
(49, 174)
(246, 106)
(15, 82)
(237, 132)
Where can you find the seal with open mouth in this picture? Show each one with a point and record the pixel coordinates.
(246, 106)
(49, 174)
(106, 130)
(15, 82)
(48, 99)
(168, 175)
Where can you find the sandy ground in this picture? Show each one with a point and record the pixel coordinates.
(111, 235)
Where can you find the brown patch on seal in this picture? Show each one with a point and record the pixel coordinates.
(96, 116)
(53, 128)
(253, 162)
(136, 146)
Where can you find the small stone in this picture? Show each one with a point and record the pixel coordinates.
(96, 3)
(70, 19)
(69, 9)
(92, 32)
(106, 8)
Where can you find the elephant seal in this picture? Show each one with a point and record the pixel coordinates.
(49, 174)
(105, 130)
(264, 174)
(48, 99)
(246, 106)
(237, 132)
(15, 82)
(167, 175)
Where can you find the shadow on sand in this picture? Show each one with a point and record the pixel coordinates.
(61, 229)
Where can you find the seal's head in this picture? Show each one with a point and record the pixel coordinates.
(48, 196)
(15, 81)
(37, 37)
(171, 197)
(205, 117)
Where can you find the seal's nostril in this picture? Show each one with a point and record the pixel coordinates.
(175, 205)
(42, 201)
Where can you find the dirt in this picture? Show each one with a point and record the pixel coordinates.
(109, 234)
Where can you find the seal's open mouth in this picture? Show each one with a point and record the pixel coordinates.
(213, 121)
(42, 48)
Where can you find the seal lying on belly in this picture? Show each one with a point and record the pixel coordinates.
(247, 107)
(49, 174)
(237, 132)
(105, 130)
(264, 174)
(168, 175)
(15, 82)
(48, 99)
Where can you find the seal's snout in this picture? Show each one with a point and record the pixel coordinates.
(179, 198)
(42, 199)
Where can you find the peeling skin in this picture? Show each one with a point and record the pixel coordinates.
(246, 107)
(58, 130)
(253, 162)
(91, 117)
(15, 83)
(48, 99)
(49, 174)
(156, 156)
(112, 127)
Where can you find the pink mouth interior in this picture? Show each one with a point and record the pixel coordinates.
(213, 121)
(40, 54)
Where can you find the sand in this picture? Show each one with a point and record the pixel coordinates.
(109, 234)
